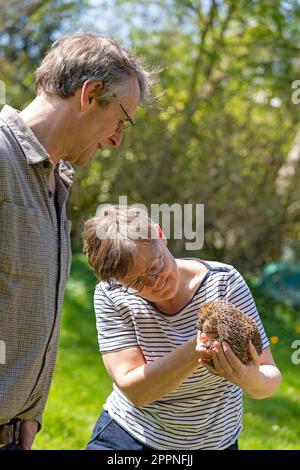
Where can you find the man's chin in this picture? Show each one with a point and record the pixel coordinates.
(82, 163)
(85, 159)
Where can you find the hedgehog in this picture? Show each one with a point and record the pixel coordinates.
(223, 321)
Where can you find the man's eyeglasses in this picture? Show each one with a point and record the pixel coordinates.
(138, 284)
(125, 124)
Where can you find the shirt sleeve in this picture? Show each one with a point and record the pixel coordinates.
(113, 321)
(239, 294)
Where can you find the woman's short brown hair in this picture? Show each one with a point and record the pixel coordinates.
(111, 239)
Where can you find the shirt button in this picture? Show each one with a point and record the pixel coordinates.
(46, 164)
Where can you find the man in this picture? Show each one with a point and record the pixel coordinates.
(87, 90)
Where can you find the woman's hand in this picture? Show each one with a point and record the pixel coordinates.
(205, 341)
(226, 364)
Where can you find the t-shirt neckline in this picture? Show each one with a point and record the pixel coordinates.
(203, 280)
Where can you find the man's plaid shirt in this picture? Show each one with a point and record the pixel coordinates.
(35, 259)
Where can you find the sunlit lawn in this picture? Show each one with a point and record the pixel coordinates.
(81, 385)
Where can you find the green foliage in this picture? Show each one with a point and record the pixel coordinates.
(223, 127)
(27, 30)
(81, 384)
(274, 424)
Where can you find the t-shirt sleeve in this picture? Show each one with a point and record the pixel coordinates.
(114, 323)
(239, 294)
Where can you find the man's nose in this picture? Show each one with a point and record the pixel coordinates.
(116, 139)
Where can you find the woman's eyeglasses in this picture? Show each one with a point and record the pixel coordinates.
(138, 284)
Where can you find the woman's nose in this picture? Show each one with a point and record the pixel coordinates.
(153, 281)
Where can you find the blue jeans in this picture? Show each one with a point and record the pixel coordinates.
(12, 446)
(108, 435)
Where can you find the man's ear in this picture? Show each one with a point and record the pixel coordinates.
(88, 92)
(160, 233)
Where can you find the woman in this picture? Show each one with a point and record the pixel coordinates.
(166, 395)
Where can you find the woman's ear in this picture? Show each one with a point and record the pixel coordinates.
(160, 234)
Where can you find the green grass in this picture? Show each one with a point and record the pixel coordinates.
(275, 423)
(80, 384)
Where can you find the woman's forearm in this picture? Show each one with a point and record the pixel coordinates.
(152, 381)
(268, 382)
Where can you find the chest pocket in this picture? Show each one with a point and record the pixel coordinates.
(25, 241)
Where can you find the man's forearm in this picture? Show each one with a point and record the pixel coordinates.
(150, 382)
(27, 433)
(267, 383)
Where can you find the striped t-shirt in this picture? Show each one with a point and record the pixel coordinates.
(205, 411)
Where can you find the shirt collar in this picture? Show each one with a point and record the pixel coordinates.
(33, 150)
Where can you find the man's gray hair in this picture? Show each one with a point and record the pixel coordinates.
(75, 58)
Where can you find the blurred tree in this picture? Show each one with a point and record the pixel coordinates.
(27, 28)
(224, 126)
